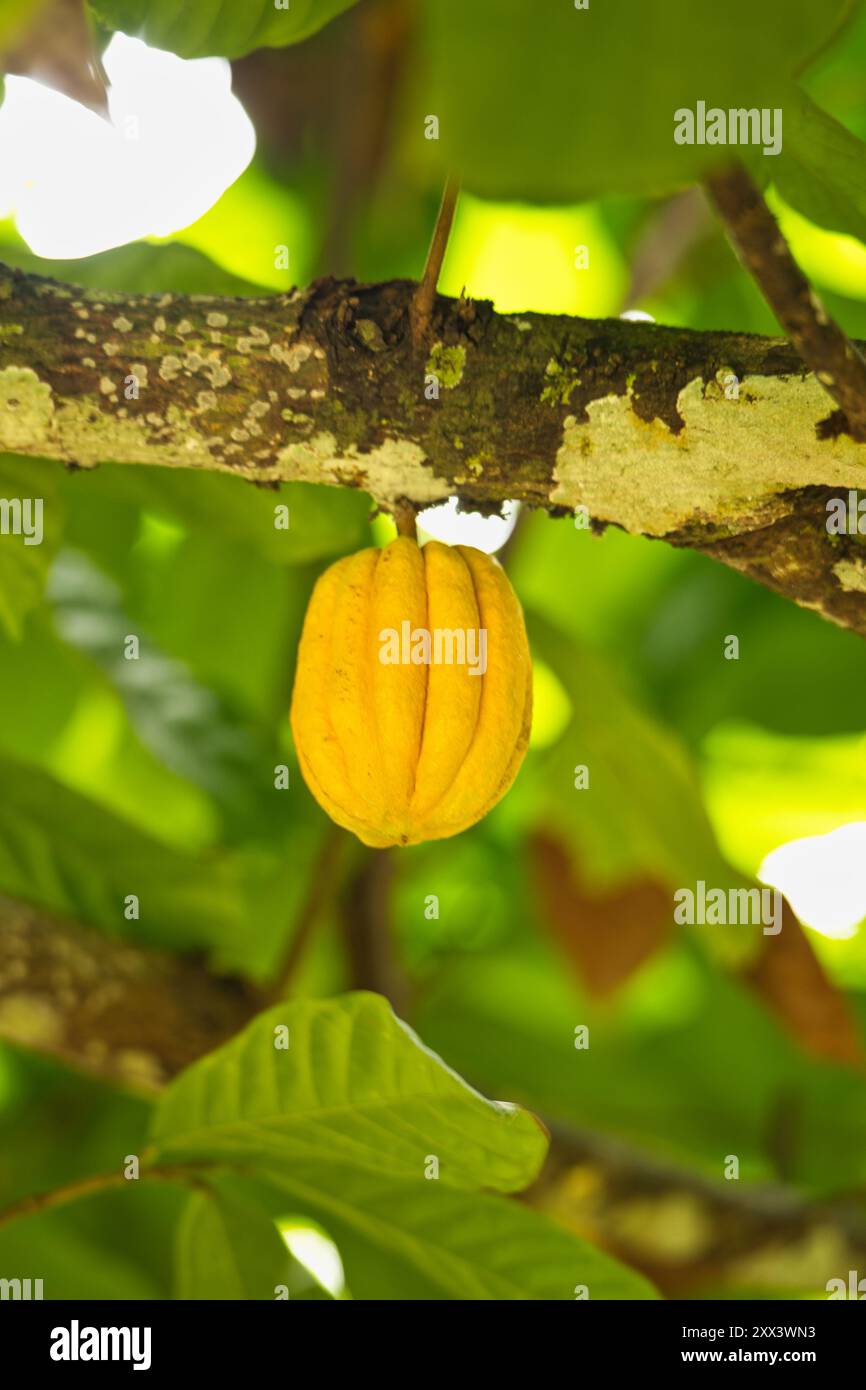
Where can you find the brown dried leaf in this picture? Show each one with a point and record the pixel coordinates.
(604, 937)
(56, 47)
(790, 980)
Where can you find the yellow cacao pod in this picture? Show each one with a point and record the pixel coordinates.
(413, 691)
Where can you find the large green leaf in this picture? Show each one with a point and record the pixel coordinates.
(231, 28)
(423, 1240)
(554, 102)
(822, 169)
(63, 851)
(354, 1086)
(345, 1125)
(30, 529)
(228, 1249)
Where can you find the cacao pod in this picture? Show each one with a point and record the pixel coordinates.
(399, 739)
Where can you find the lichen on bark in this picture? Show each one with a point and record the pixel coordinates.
(633, 421)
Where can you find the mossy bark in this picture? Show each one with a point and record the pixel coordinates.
(107, 1007)
(723, 442)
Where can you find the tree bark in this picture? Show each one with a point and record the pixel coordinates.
(106, 1007)
(722, 442)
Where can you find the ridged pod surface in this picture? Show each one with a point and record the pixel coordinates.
(399, 752)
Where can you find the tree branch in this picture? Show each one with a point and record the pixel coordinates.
(367, 927)
(765, 253)
(37, 1202)
(138, 1017)
(322, 881)
(717, 441)
(107, 1007)
(632, 1202)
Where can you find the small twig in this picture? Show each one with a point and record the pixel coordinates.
(421, 308)
(321, 884)
(764, 252)
(670, 233)
(98, 1182)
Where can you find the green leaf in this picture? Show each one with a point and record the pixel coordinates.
(554, 103)
(643, 810)
(14, 17)
(822, 169)
(228, 1248)
(71, 1265)
(138, 268)
(217, 583)
(30, 529)
(355, 1086)
(198, 28)
(189, 727)
(322, 521)
(63, 851)
(345, 1124)
(423, 1240)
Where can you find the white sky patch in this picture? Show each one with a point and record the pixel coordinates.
(78, 184)
(824, 878)
(488, 533)
(317, 1254)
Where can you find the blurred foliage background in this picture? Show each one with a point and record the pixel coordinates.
(156, 776)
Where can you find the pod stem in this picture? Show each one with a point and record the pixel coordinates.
(404, 517)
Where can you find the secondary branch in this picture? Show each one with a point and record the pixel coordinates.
(765, 253)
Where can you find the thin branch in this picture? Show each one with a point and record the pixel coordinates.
(738, 1221)
(421, 309)
(321, 885)
(368, 930)
(823, 346)
(38, 1202)
(669, 234)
